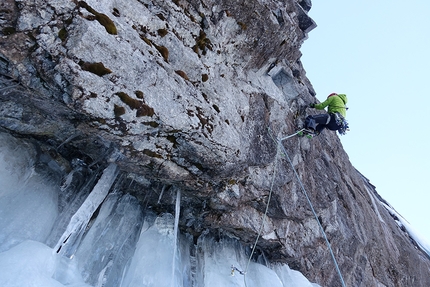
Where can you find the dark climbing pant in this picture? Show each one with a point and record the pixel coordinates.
(321, 121)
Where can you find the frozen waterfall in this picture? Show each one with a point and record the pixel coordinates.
(79, 229)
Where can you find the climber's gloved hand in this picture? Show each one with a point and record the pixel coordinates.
(312, 105)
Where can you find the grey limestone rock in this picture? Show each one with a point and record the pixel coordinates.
(180, 93)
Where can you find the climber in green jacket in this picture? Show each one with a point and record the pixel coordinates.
(334, 119)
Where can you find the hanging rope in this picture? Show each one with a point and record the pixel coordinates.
(279, 145)
(313, 211)
(233, 268)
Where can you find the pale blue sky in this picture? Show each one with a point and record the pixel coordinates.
(378, 53)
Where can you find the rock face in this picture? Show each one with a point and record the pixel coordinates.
(180, 94)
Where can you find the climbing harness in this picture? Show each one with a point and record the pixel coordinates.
(280, 146)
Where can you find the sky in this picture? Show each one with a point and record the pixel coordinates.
(378, 53)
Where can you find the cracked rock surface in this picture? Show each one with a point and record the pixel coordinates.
(180, 94)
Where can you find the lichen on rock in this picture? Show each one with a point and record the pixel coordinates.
(103, 19)
(96, 68)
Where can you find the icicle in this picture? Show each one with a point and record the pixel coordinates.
(175, 234)
(110, 242)
(69, 139)
(161, 194)
(74, 231)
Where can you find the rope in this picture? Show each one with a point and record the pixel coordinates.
(290, 136)
(315, 214)
(233, 268)
(279, 145)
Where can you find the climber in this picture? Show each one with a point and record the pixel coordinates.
(334, 119)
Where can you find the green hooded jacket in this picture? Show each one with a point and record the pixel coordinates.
(335, 103)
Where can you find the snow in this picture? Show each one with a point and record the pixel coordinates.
(291, 277)
(120, 245)
(32, 264)
(416, 236)
(375, 207)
